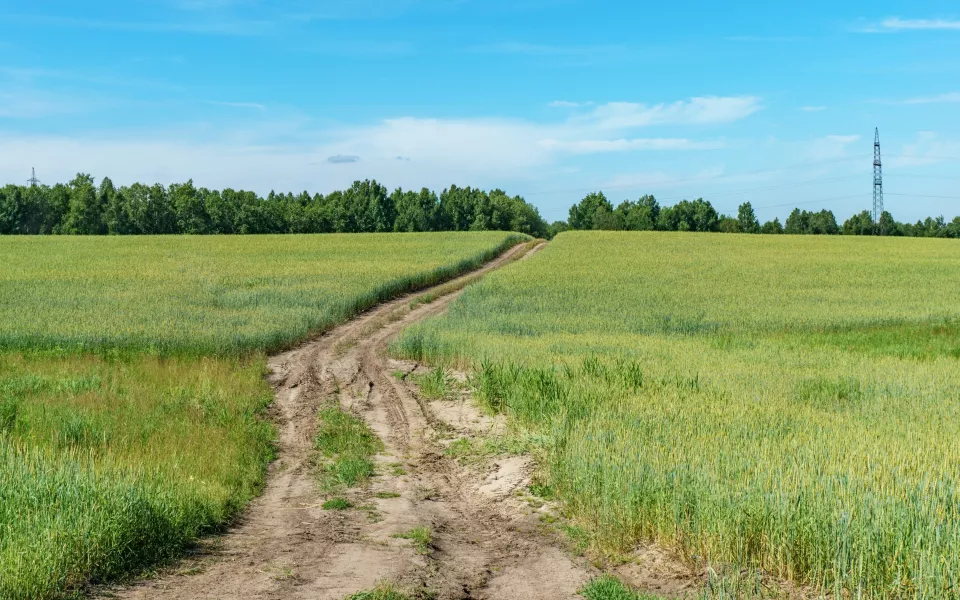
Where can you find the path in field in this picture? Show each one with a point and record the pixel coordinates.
(485, 545)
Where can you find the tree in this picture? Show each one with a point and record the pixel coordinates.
(191, 212)
(772, 227)
(556, 228)
(728, 225)
(582, 214)
(888, 225)
(85, 216)
(117, 213)
(860, 224)
(641, 215)
(415, 211)
(685, 215)
(9, 210)
(747, 220)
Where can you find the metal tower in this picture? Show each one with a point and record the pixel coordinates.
(877, 181)
(33, 181)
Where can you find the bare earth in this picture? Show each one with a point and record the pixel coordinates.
(486, 543)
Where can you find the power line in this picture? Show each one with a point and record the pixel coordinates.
(33, 181)
(925, 196)
(696, 179)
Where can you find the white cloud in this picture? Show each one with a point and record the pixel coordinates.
(567, 104)
(813, 108)
(253, 105)
(830, 147)
(895, 24)
(622, 145)
(938, 99)
(246, 152)
(929, 148)
(704, 110)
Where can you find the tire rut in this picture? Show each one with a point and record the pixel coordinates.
(287, 546)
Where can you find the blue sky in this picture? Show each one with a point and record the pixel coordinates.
(544, 98)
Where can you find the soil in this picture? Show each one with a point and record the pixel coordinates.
(486, 543)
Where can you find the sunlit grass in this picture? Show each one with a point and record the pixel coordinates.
(132, 383)
(784, 403)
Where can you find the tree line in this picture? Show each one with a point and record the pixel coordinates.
(646, 214)
(84, 208)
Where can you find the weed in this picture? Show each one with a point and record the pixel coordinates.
(337, 504)
(419, 536)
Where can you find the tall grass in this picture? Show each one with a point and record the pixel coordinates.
(213, 295)
(787, 404)
(132, 382)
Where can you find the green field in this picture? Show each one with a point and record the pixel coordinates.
(202, 295)
(132, 382)
(789, 404)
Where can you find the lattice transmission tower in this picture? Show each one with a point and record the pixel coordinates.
(33, 181)
(877, 180)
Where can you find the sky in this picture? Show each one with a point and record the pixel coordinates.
(772, 103)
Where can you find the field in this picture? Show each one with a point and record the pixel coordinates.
(132, 388)
(783, 403)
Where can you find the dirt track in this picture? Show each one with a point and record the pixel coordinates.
(486, 545)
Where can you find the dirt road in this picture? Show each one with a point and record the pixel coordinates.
(486, 544)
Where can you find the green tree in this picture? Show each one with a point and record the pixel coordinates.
(728, 225)
(85, 216)
(191, 212)
(415, 212)
(556, 228)
(641, 215)
(747, 219)
(685, 215)
(772, 227)
(583, 213)
(860, 224)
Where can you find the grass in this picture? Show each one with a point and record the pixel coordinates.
(382, 592)
(386, 495)
(421, 537)
(337, 504)
(213, 294)
(788, 405)
(347, 446)
(132, 388)
(110, 466)
(609, 588)
(435, 385)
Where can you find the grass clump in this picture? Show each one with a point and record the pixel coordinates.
(607, 587)
(435, 385)
(348, 447)
(386, 495)
(421, 537)
(382, 592)
(337, 504)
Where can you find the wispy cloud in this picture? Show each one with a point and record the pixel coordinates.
(543, 49)
(251, 105)
(208, 27)
(929, 148)
(624, 145)
(813, 108)
(567, 104)
(938, 99)
(830, 146)
(894, 24)
(777, 39)
(340, 159)
(696, 111)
